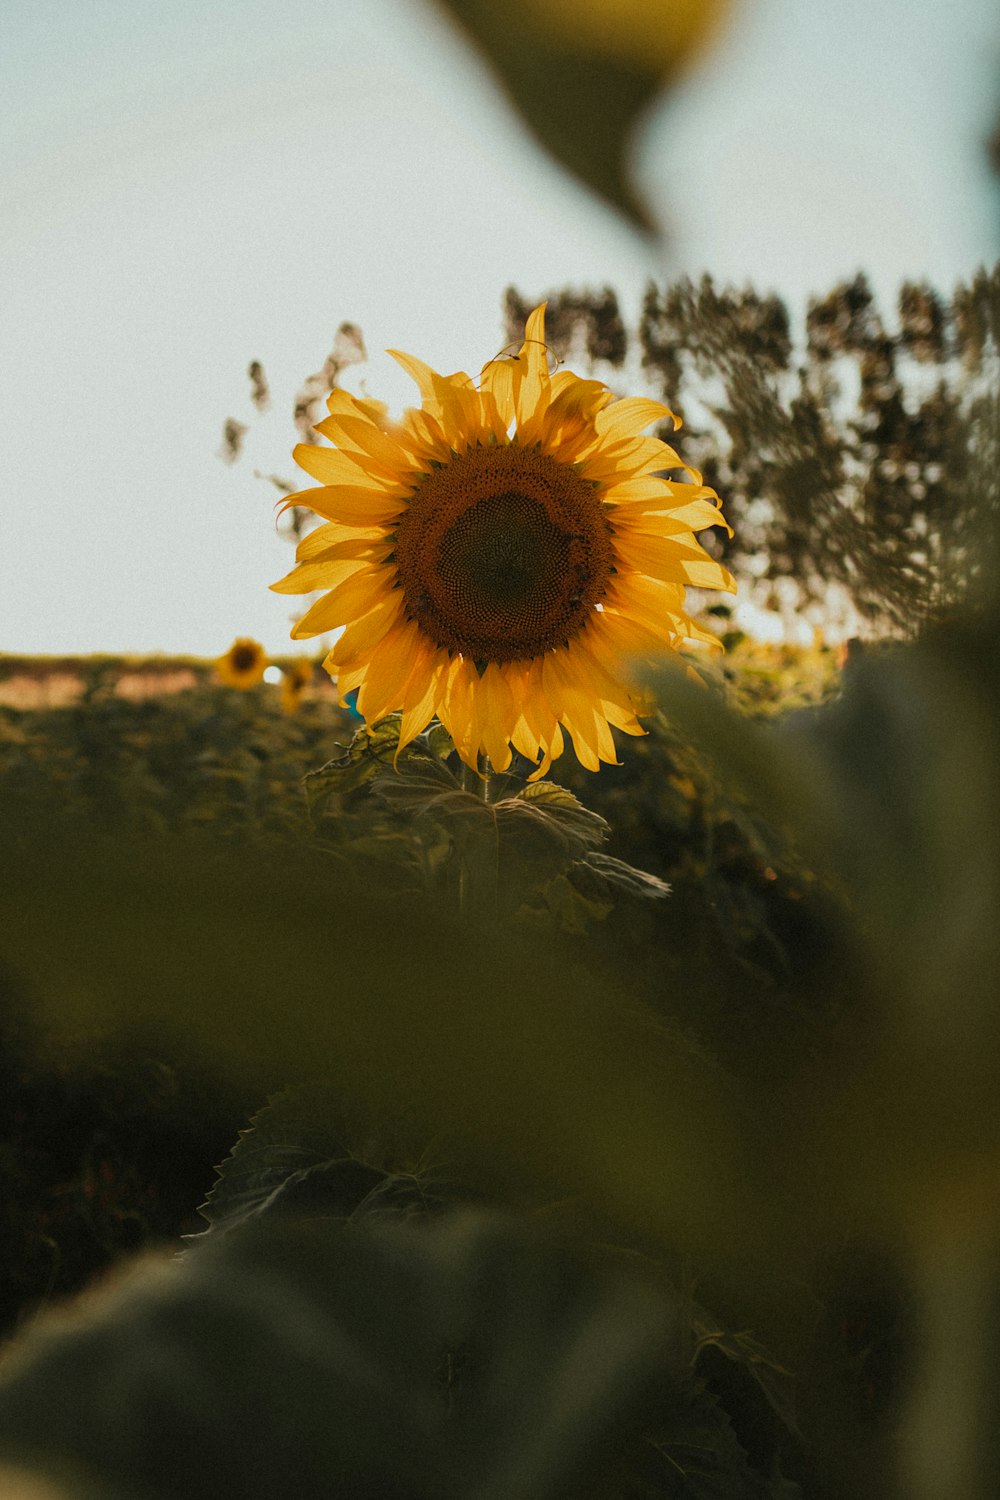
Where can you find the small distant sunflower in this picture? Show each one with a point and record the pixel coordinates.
(243, 664)
(295, 678)
(498, 554)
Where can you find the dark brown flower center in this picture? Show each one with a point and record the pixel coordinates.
(244, 658)
(502, 553)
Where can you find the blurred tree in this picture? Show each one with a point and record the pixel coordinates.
(861, 465)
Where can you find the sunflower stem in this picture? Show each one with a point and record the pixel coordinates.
(472, 886)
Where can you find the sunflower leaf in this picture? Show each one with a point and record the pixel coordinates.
(557, 808)
(695, 1454)
(439, 742)
(279, 1146)
(775, 1383)
(370, 749)
(566, 907)
(427, 787)
(617, 875)
(300, 1155)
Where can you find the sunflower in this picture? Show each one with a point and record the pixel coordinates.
(243, 664)
(499, 554)
(295, 678)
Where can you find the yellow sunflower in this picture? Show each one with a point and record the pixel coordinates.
(243, 664)
(295, 678)
(499, 554)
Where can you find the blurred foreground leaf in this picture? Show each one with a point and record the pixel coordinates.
(581, 73)
(894, 791)
(276, 964)
(473, 1358)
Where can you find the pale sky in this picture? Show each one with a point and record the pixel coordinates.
(186, 187)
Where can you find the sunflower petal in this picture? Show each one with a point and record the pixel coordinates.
(318, 542)
(364, 632)
(421, 694)
(359, 438)
(630, 416)
(334, 466)
(351, 505)
(382, 689)
(309, 576)
(497, 715)
(497, 380)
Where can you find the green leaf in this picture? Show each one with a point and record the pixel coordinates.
(542, 805)
(580, 106)
(617, 875)
(301, 1155)
(422, 785)
(274, 962)
(464, 1357)
(356, 764)
(439, 742)
(775, 1383)
(699, 1457)
(565, 906)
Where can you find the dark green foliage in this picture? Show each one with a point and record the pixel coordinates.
(98, 1160)
(469, 1357)
(511, 847)
(210, 757)
(715, 1074)
(865, 462)
(307, 1155)
(293, 1164)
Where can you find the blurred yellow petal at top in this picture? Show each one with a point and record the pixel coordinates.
(659, 35)
(514, 573)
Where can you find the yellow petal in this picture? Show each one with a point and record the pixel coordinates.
(628, 417)
(346, 681)
(434, 388)
(662, 517)
(316, 543)
(552, 748)
(379, 453)
(371, 549)
(649, 488)
(421, 694)
(572, 696)
(673, 558)
(425, 436)
(567, 424)
(382, 690)
(456, 710)
(532, 380)
(332, 466)
(534, 346)
(364, 633)
(341, 403)
(308, 577)
(645, 599)
(695, 572)
(350, 600)
(351, 505)
(496, 716)
(497, 380)
(605, 681)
